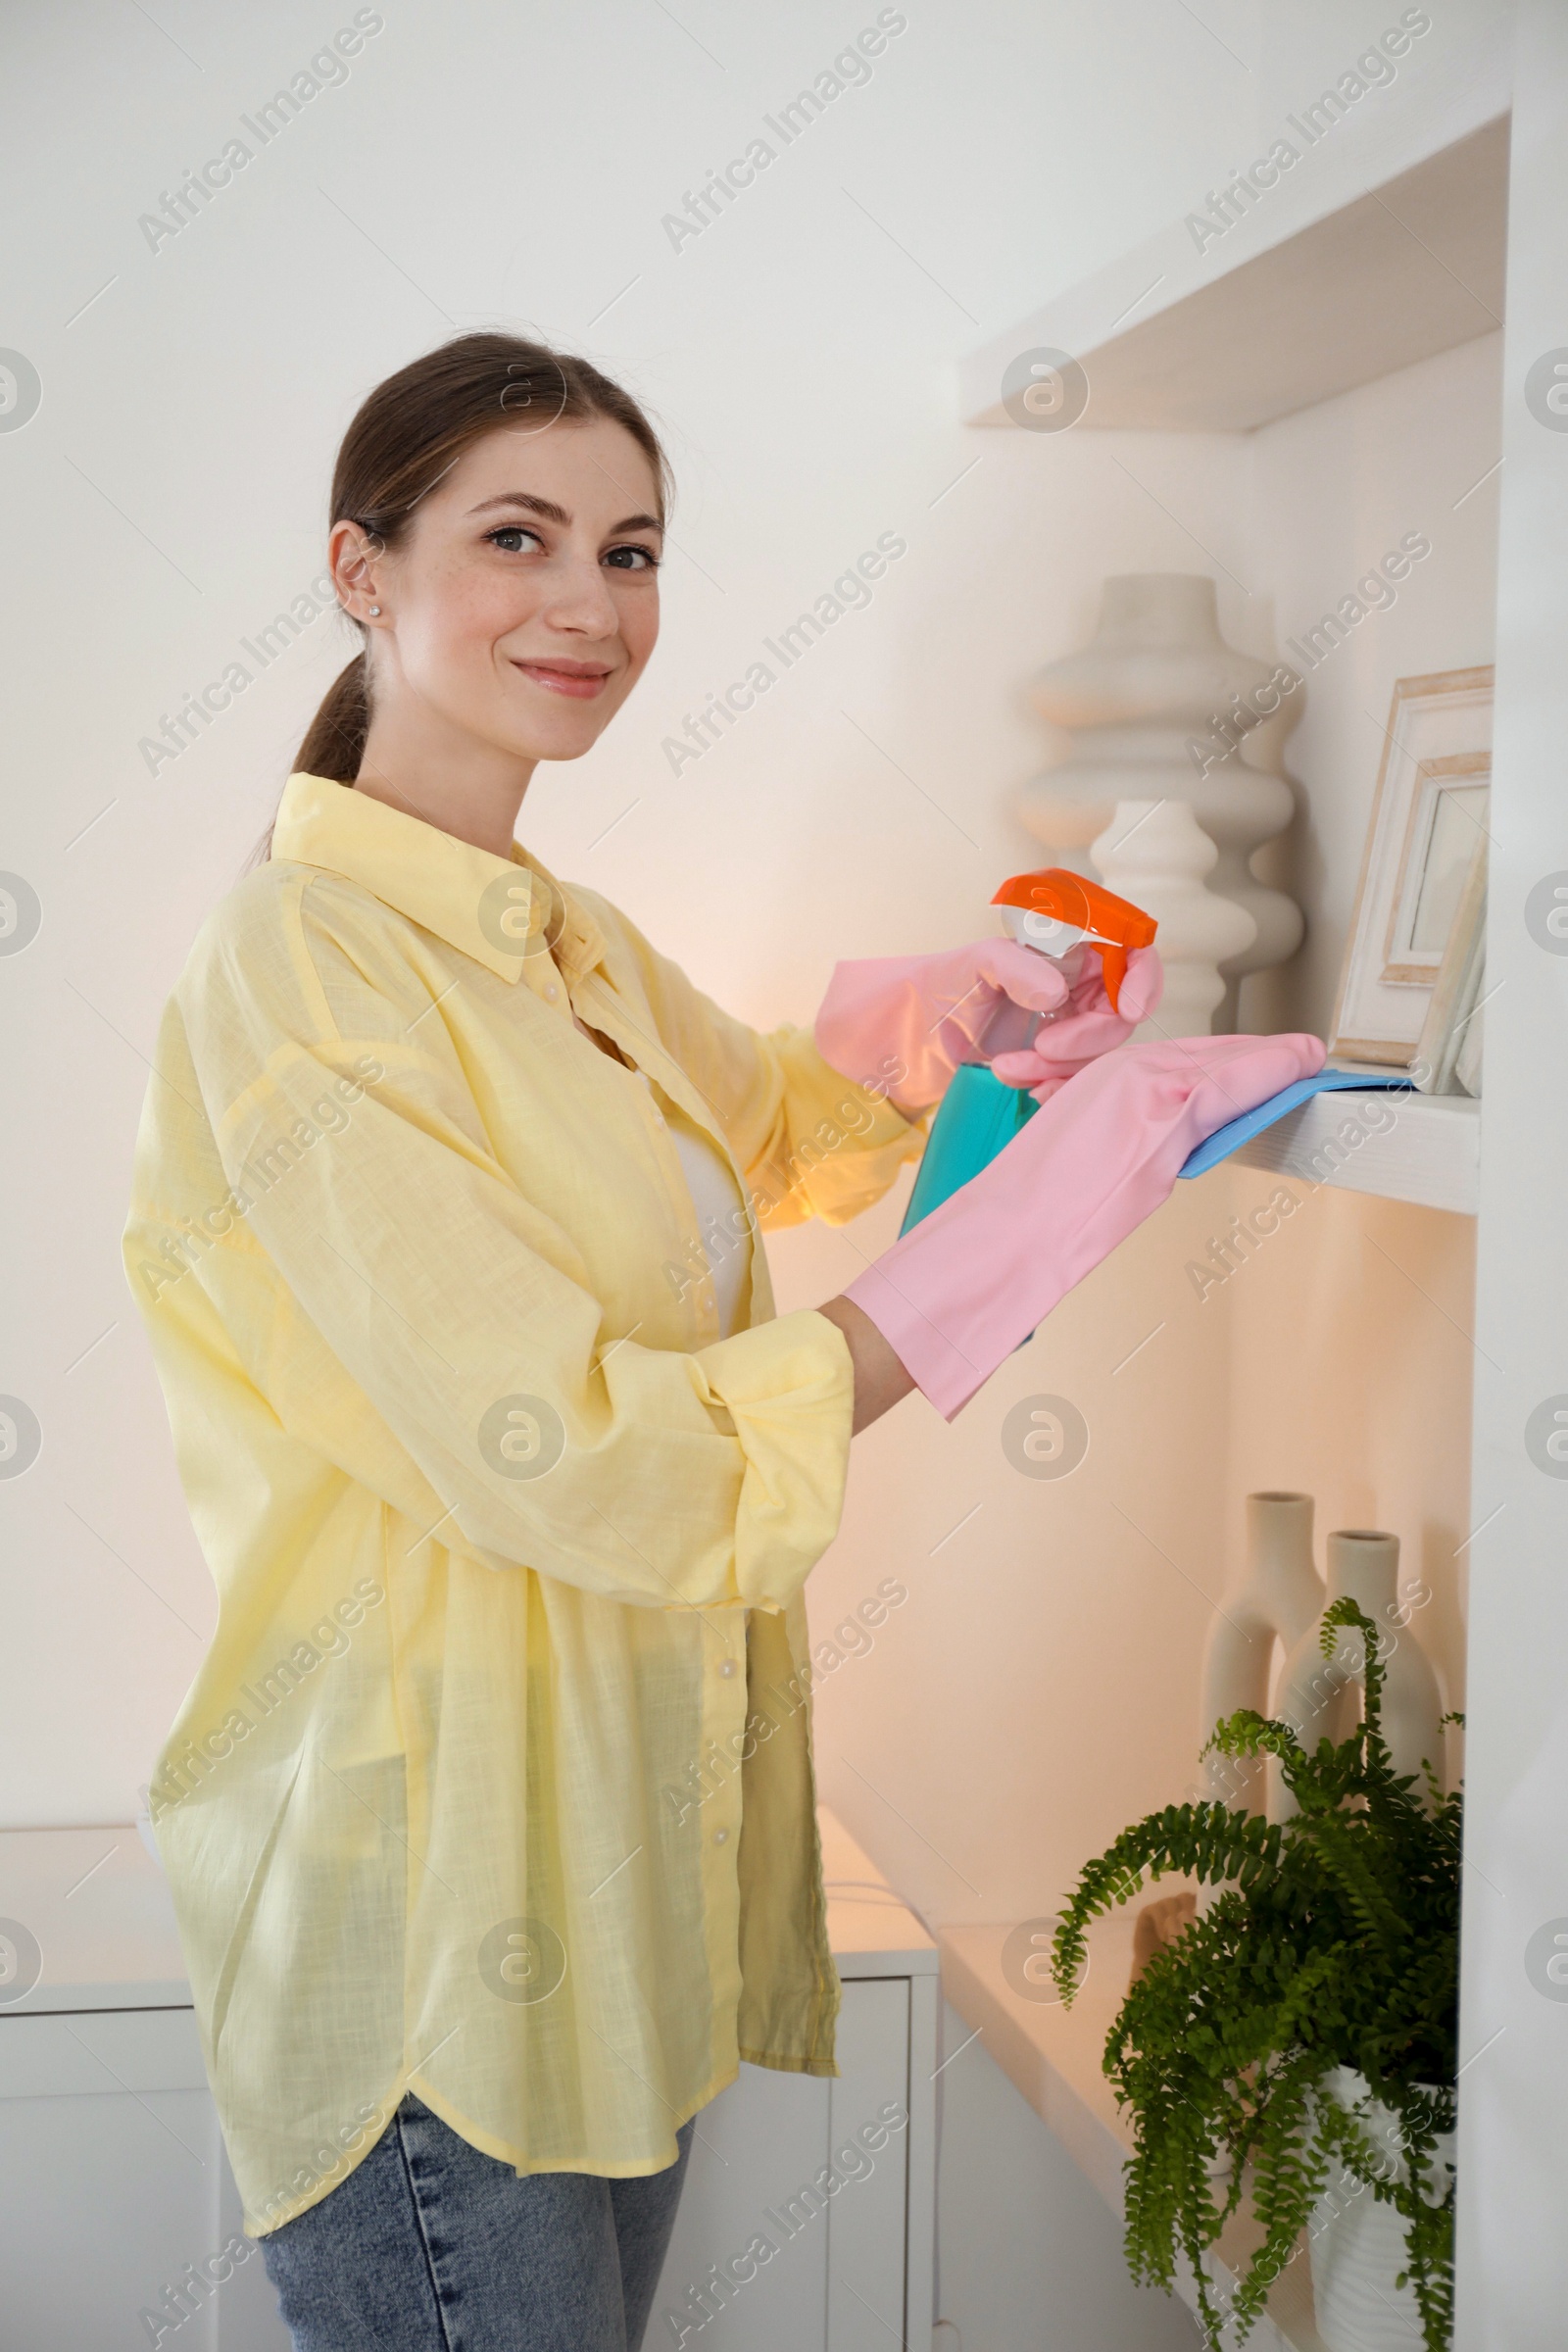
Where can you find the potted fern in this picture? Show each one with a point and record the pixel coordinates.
(1304, 2026)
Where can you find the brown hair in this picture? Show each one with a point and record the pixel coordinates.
(408, 433)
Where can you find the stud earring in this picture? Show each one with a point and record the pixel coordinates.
(376, 609)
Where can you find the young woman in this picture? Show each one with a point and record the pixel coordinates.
(489, 1816)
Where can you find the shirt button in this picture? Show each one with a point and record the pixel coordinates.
(552, 991)
(719, 1836)
(726, 1665)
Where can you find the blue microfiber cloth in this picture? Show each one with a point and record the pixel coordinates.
(1236, 1131)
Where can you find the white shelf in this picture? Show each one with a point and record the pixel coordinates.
(1383, 245)
(1429, 1154)
(1053, 2057)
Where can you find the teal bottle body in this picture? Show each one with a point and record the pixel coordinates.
(977, 1118)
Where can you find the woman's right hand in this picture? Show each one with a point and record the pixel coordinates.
(958, 1292)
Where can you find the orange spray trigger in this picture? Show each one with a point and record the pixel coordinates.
(1055, 910)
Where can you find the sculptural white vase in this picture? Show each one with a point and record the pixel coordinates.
(1364, 1564)
(1156, 853)
(1160, 707)
(1277, 1597)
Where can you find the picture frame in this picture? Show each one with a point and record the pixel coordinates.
(1429, 812)
(1447, 1055)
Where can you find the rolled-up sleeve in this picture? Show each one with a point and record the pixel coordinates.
(416, 1286)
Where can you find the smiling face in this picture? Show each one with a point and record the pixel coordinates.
(522, 604)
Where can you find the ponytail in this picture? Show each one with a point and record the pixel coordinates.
(334, 741)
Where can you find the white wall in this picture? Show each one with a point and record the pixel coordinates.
(1040, 1687)
(512, 165)
(1513, 2251)
(1335, 487)
(1352, 1357)
(502, 164)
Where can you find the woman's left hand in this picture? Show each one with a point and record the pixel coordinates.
(929, 1013)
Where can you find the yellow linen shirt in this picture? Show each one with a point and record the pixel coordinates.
(496, 1781)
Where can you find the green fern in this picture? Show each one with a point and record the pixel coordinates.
(1334, 1941)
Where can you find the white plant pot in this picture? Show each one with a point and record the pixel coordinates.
(1359, 2245)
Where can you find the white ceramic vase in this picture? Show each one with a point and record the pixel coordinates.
(1278, 1596)
(1364, 1564)
(1359, 2245)
(1161, 709)
(1157, 855)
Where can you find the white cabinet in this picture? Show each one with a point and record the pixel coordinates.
(119, 2220)
(791, 2233)
(807, 2220)
(867, 2265)
(117, 2203)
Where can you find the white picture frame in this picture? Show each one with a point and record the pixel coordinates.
(1428, 810)
(1448, 1057)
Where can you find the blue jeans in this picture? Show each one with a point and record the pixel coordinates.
(431, 2247)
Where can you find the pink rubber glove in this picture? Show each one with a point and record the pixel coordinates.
(957, 1293)
(1089, 1026)
(932, 1012)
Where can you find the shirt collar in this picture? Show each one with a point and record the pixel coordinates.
(475, 901)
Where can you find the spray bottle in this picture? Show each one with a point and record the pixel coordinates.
(1058, 915)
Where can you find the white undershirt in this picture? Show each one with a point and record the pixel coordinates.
(721, 1218)
(720, 1209)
